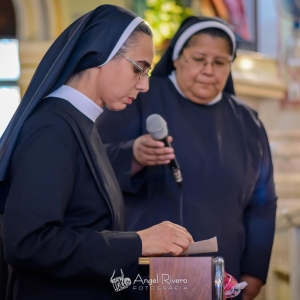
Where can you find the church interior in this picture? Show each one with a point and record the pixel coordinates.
(266, 75)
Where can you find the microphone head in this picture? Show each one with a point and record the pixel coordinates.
(157, 127)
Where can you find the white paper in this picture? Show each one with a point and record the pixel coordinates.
(205, 246)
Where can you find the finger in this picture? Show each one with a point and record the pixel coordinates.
(170, 139)
(179, 230)
(152, 161)
(181, 242)
(148, 141)
(163, 162)
(183, 233)
(151, 155)
(165, 157)
(163, 151)
(156, 151)
(175, 250)
(161, 158)
(176, 226)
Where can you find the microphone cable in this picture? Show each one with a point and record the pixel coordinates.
(179, 184)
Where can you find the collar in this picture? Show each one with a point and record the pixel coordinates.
(172, 77)
(84, 104)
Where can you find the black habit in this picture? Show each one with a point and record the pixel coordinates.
(223, 152)
(57, 217)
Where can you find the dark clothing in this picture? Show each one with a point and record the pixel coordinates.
(57, 217)
(3, 267)
(223, 152)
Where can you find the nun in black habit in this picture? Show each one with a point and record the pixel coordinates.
(219, 142)
(63, 209)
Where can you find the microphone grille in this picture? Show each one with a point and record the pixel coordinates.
(157, 127)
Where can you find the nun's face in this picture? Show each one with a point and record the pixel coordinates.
(119, 80)
(203, 68)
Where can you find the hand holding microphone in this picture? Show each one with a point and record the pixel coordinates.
(154, 148)
(149, 152)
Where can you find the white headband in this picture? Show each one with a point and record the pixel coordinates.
(127, 32)
(197, 27)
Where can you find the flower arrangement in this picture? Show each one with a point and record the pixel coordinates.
(164, 17)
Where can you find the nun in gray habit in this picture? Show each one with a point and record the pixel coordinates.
(63, 210)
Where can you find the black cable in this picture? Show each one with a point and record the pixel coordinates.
(180, 203)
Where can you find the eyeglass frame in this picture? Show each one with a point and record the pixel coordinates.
(139, 67)
(207, 62)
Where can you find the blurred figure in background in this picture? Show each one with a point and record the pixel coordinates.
(219, 142)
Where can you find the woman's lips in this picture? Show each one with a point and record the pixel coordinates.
(207, 83)
(130, 99)
(205, 86)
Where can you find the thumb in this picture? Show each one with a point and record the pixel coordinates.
(170, 139)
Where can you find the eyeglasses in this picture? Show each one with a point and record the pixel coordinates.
(143, 72)
(219, 66)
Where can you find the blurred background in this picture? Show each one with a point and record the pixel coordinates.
(266, 75)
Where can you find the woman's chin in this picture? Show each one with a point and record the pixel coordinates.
(203, 98)
(116, 107)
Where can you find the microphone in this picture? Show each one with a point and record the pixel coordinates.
(157, 128)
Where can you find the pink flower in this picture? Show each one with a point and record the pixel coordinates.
(231, 287)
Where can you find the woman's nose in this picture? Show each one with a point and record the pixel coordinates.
(143, 84)
(208, 68)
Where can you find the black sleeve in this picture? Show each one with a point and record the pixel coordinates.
(259, 218)
(35, 236)
(118, 131)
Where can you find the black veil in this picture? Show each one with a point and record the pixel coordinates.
(90, 41)
(165, 66)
